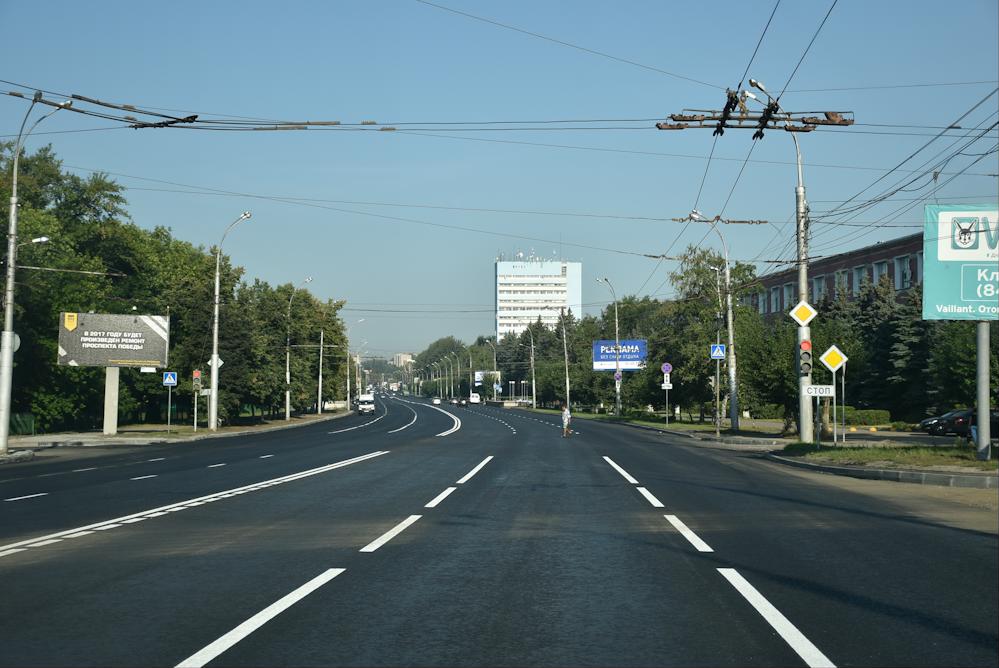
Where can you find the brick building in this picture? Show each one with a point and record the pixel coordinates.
(900, 259)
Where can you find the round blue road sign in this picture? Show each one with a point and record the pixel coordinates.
(617, 375)
(667, 367)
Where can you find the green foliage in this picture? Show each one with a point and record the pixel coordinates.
(88, 225)
(867, 417)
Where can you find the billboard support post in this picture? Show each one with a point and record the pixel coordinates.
(111, 375)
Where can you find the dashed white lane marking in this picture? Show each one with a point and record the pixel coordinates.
(143, 477)
(89, 468)
(620, 470)
(468, 476)
(440, 497)
(411, 422)
(656, 503)
(181, 505)
(46, 542)
(802, 646)
(26, 496)
(390, 534)
(106, 527)
(156, 459)
(214, 466)
(688, 534)
(265, 456)
(214, 649)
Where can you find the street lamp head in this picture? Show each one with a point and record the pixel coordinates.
(66, 105)
(40, 240)
(750, 95)
(697, 215)
(245, 215)
(757, 84)
(308, 279)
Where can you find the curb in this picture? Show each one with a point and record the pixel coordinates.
(19, 456)
(73, 441)
(943, 479)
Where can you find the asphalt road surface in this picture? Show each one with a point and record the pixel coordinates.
(447, 536)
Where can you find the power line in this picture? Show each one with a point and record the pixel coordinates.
(807, 48)
(568, 44)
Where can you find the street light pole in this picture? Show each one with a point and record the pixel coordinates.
(213, 398)
(805, 430)
(457, 377)
(287, 352)
(718, 361)
(565, 351)
(733, 385)
(534, 385)
(7, 340)
(495, 379)
(617, 351)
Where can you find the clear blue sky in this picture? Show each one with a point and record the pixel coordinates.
(401, 61)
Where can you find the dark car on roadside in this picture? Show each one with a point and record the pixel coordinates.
(929, 423)
(955, 422)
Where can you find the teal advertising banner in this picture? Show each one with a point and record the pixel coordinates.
(961, 262)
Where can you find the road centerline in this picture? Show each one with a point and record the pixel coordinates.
(390, 534)
(656, 503)
(440, 497)
(688, 534)
(468, 476)
(802, 646)
(214, 649)
(627, 476)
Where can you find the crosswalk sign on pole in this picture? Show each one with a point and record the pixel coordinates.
(717, 351)
(170, 379)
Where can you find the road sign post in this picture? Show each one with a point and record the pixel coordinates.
(803, 313)
(195, 389)
(170, 381)
(716, 351)
(667, 368)
(834, 359)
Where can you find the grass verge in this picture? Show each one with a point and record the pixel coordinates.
(893, 457)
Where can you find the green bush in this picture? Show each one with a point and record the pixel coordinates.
(901, 425)
(768, 412)
(870, 416)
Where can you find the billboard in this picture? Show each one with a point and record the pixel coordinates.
(103, 339)
(961, 262)
(633, 354)
(480, 376)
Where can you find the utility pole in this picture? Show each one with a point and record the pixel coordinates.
(773, 118)
(565, 351)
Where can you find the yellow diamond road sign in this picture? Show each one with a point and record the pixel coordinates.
(833, 358)
(803, 313)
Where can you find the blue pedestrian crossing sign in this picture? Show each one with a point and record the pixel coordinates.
(717, 351)
(169, 379)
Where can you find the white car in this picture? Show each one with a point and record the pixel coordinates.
(473, 398)
(436, 401)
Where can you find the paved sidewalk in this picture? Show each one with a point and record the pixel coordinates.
(22, 448)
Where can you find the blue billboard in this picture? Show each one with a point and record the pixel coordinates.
(633, 354)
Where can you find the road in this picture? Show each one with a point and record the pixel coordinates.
(449, 536)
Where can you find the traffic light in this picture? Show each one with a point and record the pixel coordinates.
(805, 358)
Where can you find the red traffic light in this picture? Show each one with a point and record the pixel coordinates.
(806, 346)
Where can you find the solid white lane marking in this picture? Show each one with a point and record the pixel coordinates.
(440, 497)
(410, 422)
(791, 635)
(213, 650)
(163, 510)
(46, 542)
(621, 471)
(143, 477)
(688, 534)
(340, 431)
(214, 466)
(265, 456)
(156, 459)
(12, 551)
(468, 476)
(390, 534)
(26, 496)
(133, 520)
(89, 468)
(651, 499)
(106, 527)
(457, 422)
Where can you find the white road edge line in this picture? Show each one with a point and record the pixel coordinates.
(408, 425)
(390, 534)
(163, 510)
(213, 650)
(440, 497)
(89, 468)
(340, 431)
(468, 476)
(212, 466)
(26, 496)
(143, 477)
(656, 503)
(802, 646)
(688, 534)
(457, 422)
(265, 456)
(620, 470)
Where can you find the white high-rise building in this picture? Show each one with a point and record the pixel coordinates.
(402, 359)
(528, 289)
